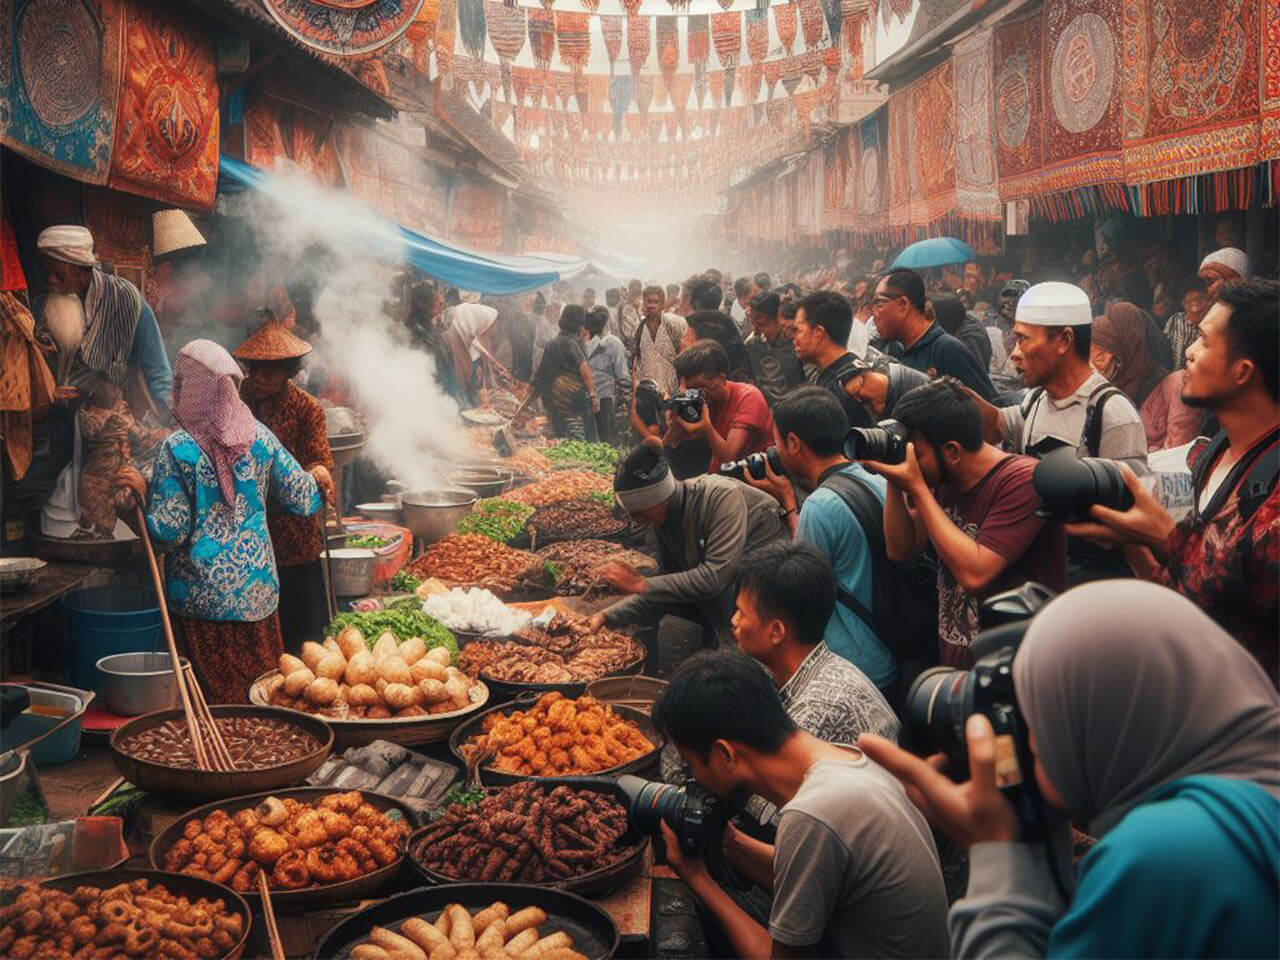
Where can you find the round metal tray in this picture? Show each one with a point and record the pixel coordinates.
(504, 690)
(491, 777)
(176, 883)
(293, 901)
(594, 933)
(406, 731)
(631, 848)
(212, 784)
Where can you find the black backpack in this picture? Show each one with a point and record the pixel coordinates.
(904, 611)
(1259, 469)
(1097, 401)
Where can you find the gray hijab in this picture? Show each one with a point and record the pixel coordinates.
(1127, 686)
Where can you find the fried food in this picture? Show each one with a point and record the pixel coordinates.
(576, 562)
(525, 833)
(458, 933)
(138, 919)
(574, 520)
(468, 558)
(565, 651)
(557, 737)
(336, 838)
(560, 485)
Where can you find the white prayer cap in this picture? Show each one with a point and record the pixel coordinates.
(1232, 258)
(1054, 304)
(68, 242)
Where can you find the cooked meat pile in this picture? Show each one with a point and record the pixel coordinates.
(576, 562)
(525, 834)
(565, 652)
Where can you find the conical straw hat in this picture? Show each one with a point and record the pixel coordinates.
(272, 341)
(173, 230)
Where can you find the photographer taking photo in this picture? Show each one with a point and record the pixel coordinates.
(877, 383)
(1224, 554)
(1148, 723)
(975, 503)
(854, 871)
(735, 417)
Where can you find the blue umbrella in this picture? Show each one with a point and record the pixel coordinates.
(935, 252)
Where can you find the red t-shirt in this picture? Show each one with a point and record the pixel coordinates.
(999, 512)
(745, 408)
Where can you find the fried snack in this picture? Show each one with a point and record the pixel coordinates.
(138, 919)
(458, 933)
(576, 562)
(566, 651)
(336, 838)
(532, 463)
(573, 519)
(556, 737)
(469, 558)
(526, 833)
(560, 485)
(389, 680)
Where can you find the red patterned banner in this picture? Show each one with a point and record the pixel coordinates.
(279, 135)
(697, 40)
(784, 20)
(637, 42)
(757, 34)
(611, 30)
(810, 22)
(478, 216)
(542, 37)
(167, 128)
(977, 192)
(573, 35)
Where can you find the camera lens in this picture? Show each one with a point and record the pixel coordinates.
(734, 469)
(884, 443)
(1068, 486)
(650, 803)
(755, 465)
(937, 705)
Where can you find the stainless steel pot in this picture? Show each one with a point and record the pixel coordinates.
(432, 514)
(138, 683)
(482, 481)
(353, 571)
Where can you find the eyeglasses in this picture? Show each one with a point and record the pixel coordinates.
(880, 301)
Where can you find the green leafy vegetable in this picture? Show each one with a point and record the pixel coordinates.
(499, 520)
(606, 498)
(602, 457)
(369, 542)
(404, 620)
(405, 582)
(464, 794)
(26, 811)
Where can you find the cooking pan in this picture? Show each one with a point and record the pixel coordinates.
(594, 933)
(497, 778)
(293, 901)
(176, 883)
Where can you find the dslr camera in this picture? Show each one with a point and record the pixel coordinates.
(886, 442)
(696, 816)
(754, 465)
(687, 405)
(1069, 485)
(942, 698)
(650, 403)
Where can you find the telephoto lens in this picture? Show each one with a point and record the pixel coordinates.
(886, 442)
(755, 465)
(694, 816)
(1068, 486)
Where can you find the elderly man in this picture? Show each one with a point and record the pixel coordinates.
(120, 329)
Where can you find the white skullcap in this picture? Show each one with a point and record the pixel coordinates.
(1054, 304)
(1232, 258)
(69, 243)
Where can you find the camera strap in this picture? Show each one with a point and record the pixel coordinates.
(866, 509)
(1261, 464)
(1095, 403)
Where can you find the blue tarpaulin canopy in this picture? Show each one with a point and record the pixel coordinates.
(452, 265)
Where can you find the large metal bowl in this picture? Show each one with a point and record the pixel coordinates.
(432, 514)
(381, 512)
(214, 784)
(137, 683)
(482, 481)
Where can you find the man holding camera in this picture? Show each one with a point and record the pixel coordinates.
(703, 528)
(898, 307)
(1224, 555)
(735, 418)
(974, 503)
(809, 429)
(774, 364)
(854, 871)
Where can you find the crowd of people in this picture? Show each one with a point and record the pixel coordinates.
(847, 485)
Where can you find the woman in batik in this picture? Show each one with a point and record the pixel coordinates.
(273, 357)
(111, 438)
(208, 509)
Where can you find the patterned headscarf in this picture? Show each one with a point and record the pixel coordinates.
(207, 404)
(1122, 331)
(1128, 686)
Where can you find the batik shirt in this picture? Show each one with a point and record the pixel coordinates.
(222, 566)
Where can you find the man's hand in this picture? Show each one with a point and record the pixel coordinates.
(972, 812)
(324, 480)
(622, 576)
(774, 484)
(703, 426)
(906, 476)
(687, 867)
(595, 404)
(1146, 523)
(595, 623)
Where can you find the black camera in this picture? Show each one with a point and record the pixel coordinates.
(687, 404)
(1068, 485)
(695, 816)
(754, 465)
(942, 699)
(886, 442)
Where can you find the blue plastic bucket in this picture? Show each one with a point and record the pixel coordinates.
(106, 620)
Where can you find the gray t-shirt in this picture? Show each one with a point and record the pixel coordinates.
(1123, 435)
(855, 869)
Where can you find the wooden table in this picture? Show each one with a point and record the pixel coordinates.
(51, 583)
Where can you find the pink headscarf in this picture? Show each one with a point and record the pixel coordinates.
(207, 404)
